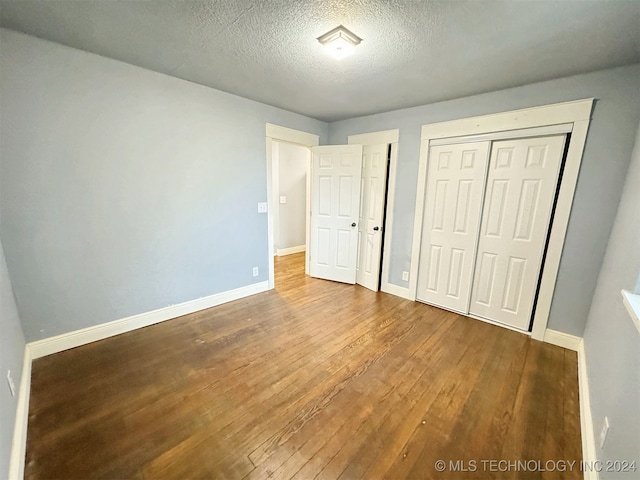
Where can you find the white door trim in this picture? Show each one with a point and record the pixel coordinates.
(542, 116)
(577, 113)
(290, 135)
(284, 134)
(522, 133)
(392, 137)
(374, 138)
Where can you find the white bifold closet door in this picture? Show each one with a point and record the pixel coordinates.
(453, 205)
(520, 192)
(486, 218)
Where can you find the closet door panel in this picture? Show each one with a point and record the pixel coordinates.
(521, 186)
(453, 206)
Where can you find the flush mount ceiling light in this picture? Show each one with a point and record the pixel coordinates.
(339, 42)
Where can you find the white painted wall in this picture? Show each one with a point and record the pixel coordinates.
(123, 190)
(12, 346)
(293, 161)
(611, 341)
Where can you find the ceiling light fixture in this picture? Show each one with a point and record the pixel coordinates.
(339, 42)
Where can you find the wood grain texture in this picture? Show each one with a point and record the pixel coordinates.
(312, 380)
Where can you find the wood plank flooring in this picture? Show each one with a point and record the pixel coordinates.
(312, 380)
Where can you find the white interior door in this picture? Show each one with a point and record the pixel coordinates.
(336, 172)
(453, 206)
(372, 203)
(521, 187)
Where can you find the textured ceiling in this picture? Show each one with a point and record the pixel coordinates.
(414, 52)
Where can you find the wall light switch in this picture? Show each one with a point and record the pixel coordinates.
(283, 199)
(262, 207)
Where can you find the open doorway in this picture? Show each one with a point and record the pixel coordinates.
(289, 174)
(292, 143)
(371, 180)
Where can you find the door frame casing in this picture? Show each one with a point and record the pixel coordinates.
(576, 113)
(392, 138)
(296, 137)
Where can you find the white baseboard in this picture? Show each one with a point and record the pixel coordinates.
(562, 339)
(288, 251)
(396, 290)
(77, 338)
(572, 342)
(586, 421)
(19, 444)
(48, 346)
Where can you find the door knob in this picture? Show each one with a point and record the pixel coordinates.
(375, 229)
(353, 224)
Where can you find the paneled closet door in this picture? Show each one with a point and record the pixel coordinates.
(521, 187)
(453, 205)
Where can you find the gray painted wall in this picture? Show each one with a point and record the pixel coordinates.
(292, 171)
(605, 161)
(611, 341)
(125, 190)
(11, 355)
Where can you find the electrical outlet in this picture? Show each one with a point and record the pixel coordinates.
(12, 385)
(262, 207)
(604, 432)
(283, 199)
(405, 276)
(255, 271)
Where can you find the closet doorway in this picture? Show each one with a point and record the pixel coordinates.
(488, 236)
(485, 226)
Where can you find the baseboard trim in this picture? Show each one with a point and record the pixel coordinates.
(19, 443)
(77, 338)
(59, 343)
(396, 290)
(586, 420)
(562, 339)
(288, 251)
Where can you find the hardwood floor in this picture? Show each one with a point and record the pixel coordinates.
(313, 380)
